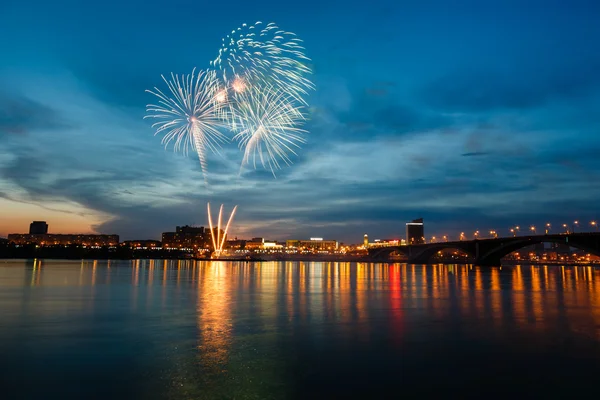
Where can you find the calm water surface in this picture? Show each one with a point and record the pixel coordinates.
(276, 330)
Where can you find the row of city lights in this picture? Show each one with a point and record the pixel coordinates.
(516, 229)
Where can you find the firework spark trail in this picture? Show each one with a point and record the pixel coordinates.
(265, 56)
(220, 241)
(192, 114)
(210, 224)
(199, 146)
(267, 127)
(219, 226)
(227, 228)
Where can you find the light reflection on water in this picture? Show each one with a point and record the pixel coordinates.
(173, 329)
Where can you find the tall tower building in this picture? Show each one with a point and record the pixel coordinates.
(366, 241)
(415, 232)
(38, 228)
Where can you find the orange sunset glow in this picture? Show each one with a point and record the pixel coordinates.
(63, 217)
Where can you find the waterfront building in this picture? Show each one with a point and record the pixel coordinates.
(51, 239)
(388, 243)
(366, 241)
(38, 235)
(313, 244)
(262, 244)
(142, 244)
(415, 232)
(38, 228)
(187, 237)
(236, 244)
(255, 243)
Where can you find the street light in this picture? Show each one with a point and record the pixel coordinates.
(514, 233)
(476, 234)
(566, 228)
(548, 226)
(462, 236)
(594, 224)
(493, 234)
(445, 238)
(432, 239)
(575, 224)
(517, 229)
(532, 229)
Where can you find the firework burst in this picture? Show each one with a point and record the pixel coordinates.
(259, 55)
(191, 113)
(267, 127)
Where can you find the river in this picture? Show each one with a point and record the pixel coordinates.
(296, 330)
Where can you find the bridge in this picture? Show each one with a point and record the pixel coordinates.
(488, 251)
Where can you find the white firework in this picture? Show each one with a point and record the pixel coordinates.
(191, 114)
(259, 55)
(267, 127)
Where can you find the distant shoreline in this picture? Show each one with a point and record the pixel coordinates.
(323, 258)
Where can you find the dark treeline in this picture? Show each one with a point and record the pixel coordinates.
(79, 252)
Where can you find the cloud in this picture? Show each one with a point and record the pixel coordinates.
(20, 115)
(368, 113)
(530, 87)
(110, 163)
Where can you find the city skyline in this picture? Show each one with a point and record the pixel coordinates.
(577, 226)
(413, 116)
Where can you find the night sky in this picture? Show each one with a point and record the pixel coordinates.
(470, 114)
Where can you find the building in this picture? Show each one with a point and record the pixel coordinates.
(415, 232)
(255, 244)
(187, 237)
(366, 241)
(142, 244)
(262, 244)
(38, 234)
(50, 239)
(388, 243)
(38, 228)
(236, 244)
(313, 244)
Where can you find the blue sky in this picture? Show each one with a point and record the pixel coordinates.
(471, 114)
